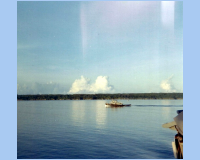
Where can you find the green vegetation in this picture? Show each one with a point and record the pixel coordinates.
(101, 96)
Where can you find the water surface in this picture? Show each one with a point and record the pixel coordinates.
(79, 129)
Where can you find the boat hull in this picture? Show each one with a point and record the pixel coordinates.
(116, 105)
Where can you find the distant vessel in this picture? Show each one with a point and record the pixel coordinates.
(177, 125)
(115, 103)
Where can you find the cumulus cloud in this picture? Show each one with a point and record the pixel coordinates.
(167, 85)
(83, 85)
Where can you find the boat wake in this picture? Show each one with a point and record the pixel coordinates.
(158, 105)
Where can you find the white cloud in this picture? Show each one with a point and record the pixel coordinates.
(167, 85)
(83, 85)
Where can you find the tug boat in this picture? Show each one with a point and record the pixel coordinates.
(177, 125)
(115, 103)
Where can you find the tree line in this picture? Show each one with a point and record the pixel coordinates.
(101, 96)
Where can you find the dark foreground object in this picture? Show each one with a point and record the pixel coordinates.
(177, 125)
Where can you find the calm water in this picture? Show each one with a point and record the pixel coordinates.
(87, 129)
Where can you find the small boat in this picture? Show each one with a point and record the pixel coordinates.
(177, 125)
(115, 103)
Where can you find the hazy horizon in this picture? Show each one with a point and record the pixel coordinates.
(104, 93)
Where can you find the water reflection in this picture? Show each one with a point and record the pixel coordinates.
(85, 112)
(115, 108)
(166, 112)
(101, 115)
(165, 102)
(78, 112)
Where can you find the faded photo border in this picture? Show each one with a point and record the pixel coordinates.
(8, 62)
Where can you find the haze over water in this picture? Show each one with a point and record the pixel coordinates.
(78, 129)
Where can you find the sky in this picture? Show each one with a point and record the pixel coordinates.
(99, 47)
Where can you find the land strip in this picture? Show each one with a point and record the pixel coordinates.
(101, 96)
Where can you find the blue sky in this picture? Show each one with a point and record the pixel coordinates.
(99, 47)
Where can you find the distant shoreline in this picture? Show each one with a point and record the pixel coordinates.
(126, 96)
